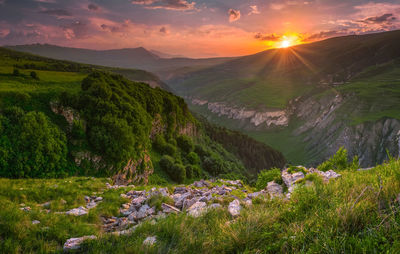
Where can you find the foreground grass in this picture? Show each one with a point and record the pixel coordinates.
(357, 213)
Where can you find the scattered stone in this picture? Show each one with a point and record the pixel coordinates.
(75, 243)
(151, 240)
(34, 222)
(197, 209)
(234, 208)
(274, 189)
(214, 206)
(25, 209)
(77, 211)
(169, 208)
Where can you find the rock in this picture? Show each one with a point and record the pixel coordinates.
(98, 199)
(25, 209)
(214, 206)
(91, 205)
(331, 174)
(74, 243)
(234, 208)
(151, 240)
(248, 202)
(35, 222)
(124, 232)
(169, 208)
(46, 204)
(142, 213)
(180, 190)
(77, 211)
(274, 189)
(132, 216)
(197, 209)
(164, 192)
(255, 194)
(87, 199)
(138, 201)
(188, 203)
(180, 199)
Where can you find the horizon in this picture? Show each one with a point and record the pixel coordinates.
(194, 29)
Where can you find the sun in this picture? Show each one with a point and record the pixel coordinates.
(285, 44)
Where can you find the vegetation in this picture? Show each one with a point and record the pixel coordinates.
(354, 213)
(339, 162)
(266, 176)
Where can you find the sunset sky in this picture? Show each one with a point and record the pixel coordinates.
(193, 28)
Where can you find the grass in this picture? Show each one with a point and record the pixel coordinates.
(357, 213)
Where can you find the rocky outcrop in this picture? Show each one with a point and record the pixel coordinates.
(254, 117)
(68, 113)
(135, 171)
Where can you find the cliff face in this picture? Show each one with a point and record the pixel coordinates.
(256, 118)
(325, 126)
(326, 129)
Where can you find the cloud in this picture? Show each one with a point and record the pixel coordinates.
(75, 30)
(267, 37)
(57, 13)
(177, 5)
(93, 7)
(234, 15)
(385, 18)
(276, 6)
(326, 34)
(164, 30)
(254, 10)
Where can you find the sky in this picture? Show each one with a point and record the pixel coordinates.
(192, 28)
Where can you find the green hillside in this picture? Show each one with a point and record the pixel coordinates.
(61, 118)
(271, 78)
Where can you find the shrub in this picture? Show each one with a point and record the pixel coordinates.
(266, 176)
(213, 165)
(159, 143)
(166, 163)
(179, 173)
(185, 143)
(16, 72)
(30, 145)
(189, 171)
(34, 75)
(158, 200)
(169, 149)
(339, 161)
(193, 158)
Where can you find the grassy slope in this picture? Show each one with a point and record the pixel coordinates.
(357, 213)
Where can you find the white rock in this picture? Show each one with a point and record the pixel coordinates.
(197, 209)
(35, 222)
(77, 211)
(234, 208)
(151, 240)
(274, 189)
(74, 243)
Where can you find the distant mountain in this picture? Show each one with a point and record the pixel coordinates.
(137, 58)
(310, 99)
(165, 55)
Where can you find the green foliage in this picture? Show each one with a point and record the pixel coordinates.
(30, 145)
(34, 75)
(158, 200)
(266, 176)
(178, 173)
(193, 158)
(293, 169)
(185, 143)
(16, 72)
(339, 161)
(166, 163)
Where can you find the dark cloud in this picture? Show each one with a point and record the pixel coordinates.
(112, 29)
(178, 5)
(385, 18)
(234, 15)
(93, 7)
(57, 13)
(326, 34)
(267, 37)
(163, 30)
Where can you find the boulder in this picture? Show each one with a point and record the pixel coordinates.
(35, 222)
(197, 209)
(234, 208)
(74, 243)
(274, 189)
(77, 211)
(169, 208)
(142, 213)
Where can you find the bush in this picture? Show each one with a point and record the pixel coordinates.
(189, 171)
(30, 145)
(166, 163)
(159, 143)
(213, 165)
(34, 75)
(339, 161)
(169, 149)
(178, 173)
(266, 176)
(16, 72)
(185, 143)
(193, 158)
